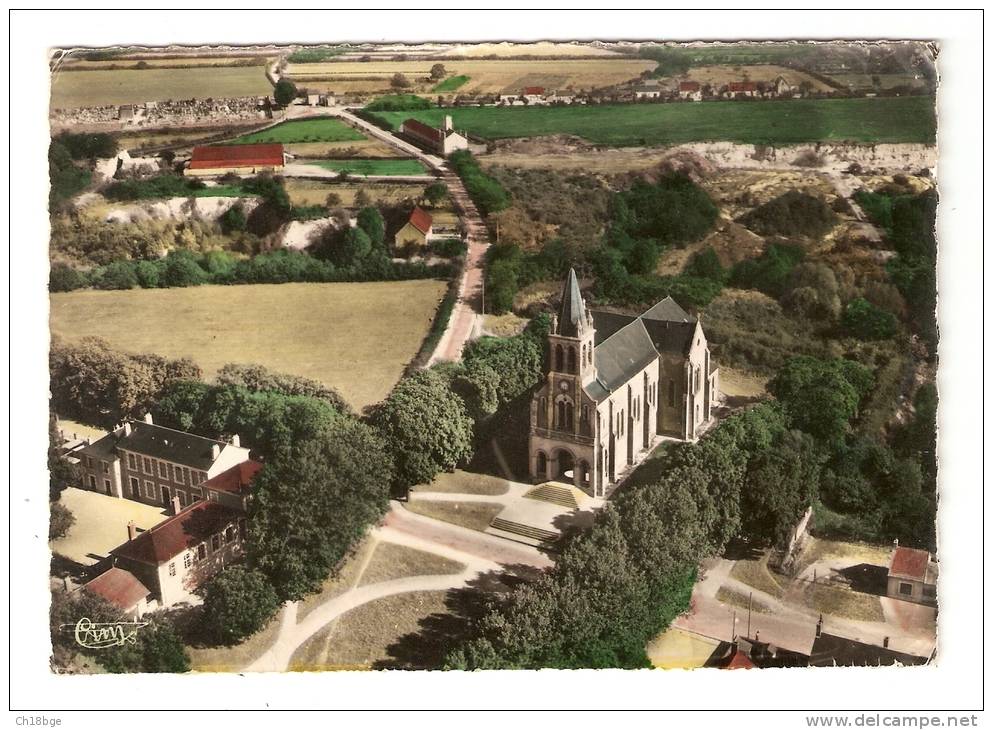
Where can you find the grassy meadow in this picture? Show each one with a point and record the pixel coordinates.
(320, 129)
(74, 89)
(356, 337)
(794, 121)
(371, 167)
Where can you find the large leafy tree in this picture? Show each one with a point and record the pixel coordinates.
(426, 427)
(284, 92)
(312, 502)
(371, 221)
(238, 602)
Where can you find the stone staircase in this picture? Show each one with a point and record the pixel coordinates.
(554, 494)
(535, 534)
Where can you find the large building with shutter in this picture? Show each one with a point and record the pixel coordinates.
(614, 385)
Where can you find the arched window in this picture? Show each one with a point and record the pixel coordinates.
(559, 359)
(542, 468)
(572, 359)
(584, 421)
(543, 411)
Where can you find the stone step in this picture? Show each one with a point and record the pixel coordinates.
(517, 528)
(554, 494)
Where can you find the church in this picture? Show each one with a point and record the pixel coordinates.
(614, 385)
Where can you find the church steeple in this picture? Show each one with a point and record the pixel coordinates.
(573, 318)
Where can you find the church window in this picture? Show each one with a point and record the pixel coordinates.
(584, 421)
(572, 359)
(542, 411)
(559, 358)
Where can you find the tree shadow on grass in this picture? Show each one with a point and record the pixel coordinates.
(439, 633)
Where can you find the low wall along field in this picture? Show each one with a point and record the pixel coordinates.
(74, 89)
(870, 120)
(356, 337)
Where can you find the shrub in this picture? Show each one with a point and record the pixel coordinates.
(63, 277)
(397, 103)
(233, 219)
(117, 275)
(88, 145)
(868, 322)
(237, 603)
(704, 264)
(486, 192)
(793, 213)
(769, 272)
(285, 92)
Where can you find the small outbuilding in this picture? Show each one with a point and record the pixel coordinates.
(240, 159)
(913, 576)
(416, 231)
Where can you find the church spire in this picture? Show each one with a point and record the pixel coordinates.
(572, 315)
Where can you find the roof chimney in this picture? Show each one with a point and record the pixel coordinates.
(448, 122)
(215, 451)
(132, 530)
(148, 417)
(127, 428)
(176, 506)
(236, 440)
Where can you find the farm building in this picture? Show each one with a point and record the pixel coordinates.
(913, 576)
(240, 159)
(690, 90)
(747, 89)
(442, 141)
(416, 230)
(647, 91)
(122, 589)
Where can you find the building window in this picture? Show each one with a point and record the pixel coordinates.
(135, 487)
(194, 495)
(215, 542)
(105, 466)
(229, 534)
(187, 560)
(93, 483)
(172, 569)
(163, 470)
(572, 359)
(89, 462)
(132, 462)
(180, 473)
(906, 589)
(149, 489)
(182, 497)
(559, 359)
(672, 393)
(202, 551)
(106, 485)
(146, 465)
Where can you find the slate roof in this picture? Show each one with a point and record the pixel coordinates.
(572, 314)
(168, 444)
(623, 354)
(236, 155)
(119, 587)
(177, 534)
(235, 480)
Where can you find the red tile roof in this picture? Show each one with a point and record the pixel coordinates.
(119, 587)
(178, 533)
(533, 90)
(689, 85)
(421, 220)
(236, 479)
(422, 130)
(738, 660)
(735, 86)
(237, 155)
(909, 563)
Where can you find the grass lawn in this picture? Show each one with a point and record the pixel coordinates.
(899, 119)
(465, 482)
(451, 83)
(347, 577)
(364, 635)
(756, 573)
(319, 129)
(236, 657)
(370, 167)
(843, 602)
(474, 515)
(391, 561)
(129, 86)
(817, 549)
(356, 337)
(740, 600)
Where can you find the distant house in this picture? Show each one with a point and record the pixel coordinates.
(176, 557)
(742, 88)
(533, 94)
(122, 589)
(690, 90)
(416, 231)
(441, 141)
(783, 87)
(240, 159)
(153, 464)
(647, 91)
(912, 576)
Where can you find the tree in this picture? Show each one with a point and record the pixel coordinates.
(351, 248)
(117, 275)
(868, 322)
(371, 221)
(435, 193)
(311, 503)
(260, 378)
(812, 291)
(425, 426)
(399, 81)
(706, 265)
(181, 269)
(238, 602)
(501, 286)
(438, 72)
(332, 201)
(285, 92)
(59, 521)
(362, 199)
(233, 219)
(822, 397)
(65, 278)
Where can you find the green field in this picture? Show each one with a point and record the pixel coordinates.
(451, 84)
(75, 89)
(371, 167)
(355, 337)
(321, 129)
(895, 119)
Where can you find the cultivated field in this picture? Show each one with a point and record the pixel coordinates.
(315, 192)
(320, 129)
(485, 76)
(901, 119)
(128, 62)
(370, 167)
(352, 148)
(718, 76)
(103, 88)
(356, 337)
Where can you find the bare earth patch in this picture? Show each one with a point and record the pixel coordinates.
(737, 383)
(465, 482)
(391, 561)
(740, 600)
(843, 602)
(756, 573)
(474, 515)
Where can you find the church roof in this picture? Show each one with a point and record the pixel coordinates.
(624, 353)
(572, 317)
(667, 310)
